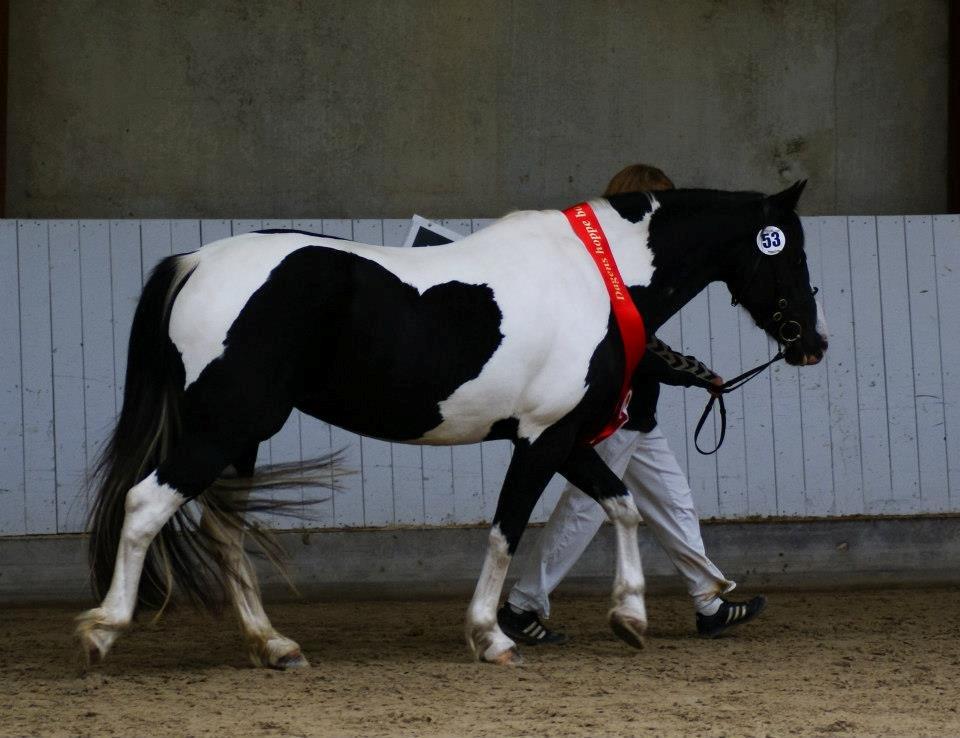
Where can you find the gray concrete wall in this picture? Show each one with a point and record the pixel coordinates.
(445, 562)
(153, 108)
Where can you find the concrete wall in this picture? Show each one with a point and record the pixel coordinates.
(153, 108)
(445, 562)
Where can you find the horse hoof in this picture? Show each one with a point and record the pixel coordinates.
(510, 657)
(628, 627)
(92, 656)
(278, 653)
(292, 660)
(95, 639)
(490, 645)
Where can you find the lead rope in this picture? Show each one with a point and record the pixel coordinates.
(720, 391)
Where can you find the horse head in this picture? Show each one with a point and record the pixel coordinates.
(769, 277)
(750, 241)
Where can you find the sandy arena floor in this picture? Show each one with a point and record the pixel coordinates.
(863, 663)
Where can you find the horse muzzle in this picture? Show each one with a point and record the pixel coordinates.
(805, 353)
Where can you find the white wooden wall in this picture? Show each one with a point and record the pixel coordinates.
(875, 429)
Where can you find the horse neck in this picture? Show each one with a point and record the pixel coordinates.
(667, 293)
(690, 250)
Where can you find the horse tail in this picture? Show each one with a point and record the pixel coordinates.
(149, 421)
(188, 551)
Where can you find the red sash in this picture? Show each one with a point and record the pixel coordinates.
(585, 224)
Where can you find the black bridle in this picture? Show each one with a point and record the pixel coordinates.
(788, 331)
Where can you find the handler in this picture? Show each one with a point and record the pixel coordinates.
(640, 455)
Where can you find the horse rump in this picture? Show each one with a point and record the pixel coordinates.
(187, 553)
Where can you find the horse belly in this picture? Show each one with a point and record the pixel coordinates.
(386, 354)
(401, 420)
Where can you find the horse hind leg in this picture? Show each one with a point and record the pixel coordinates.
(265, 645)
(147, 508)
(191, 467)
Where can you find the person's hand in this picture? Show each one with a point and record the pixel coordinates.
(718, 383)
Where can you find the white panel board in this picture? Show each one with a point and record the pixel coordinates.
(12, 503)
(898, 365)
(927, 371)
(126, 280)
(725, 352)
(868, 353)
(39, 438)
(815, 406)
(67, 340)
(872, 430)
(99, 398)
(841, 366)
(947, 253)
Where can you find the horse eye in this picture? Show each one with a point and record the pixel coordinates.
(815, 290)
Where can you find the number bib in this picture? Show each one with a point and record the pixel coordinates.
(770, 240)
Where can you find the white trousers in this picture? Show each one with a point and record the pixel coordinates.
(650, 471)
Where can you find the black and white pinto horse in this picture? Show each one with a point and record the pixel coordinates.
(506, 334)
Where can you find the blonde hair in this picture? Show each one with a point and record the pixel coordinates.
(638, 178)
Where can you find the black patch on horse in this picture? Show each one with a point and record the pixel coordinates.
(632, 206)
(344, 339)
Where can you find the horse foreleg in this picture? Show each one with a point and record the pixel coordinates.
(628, 615)
(265, 645)
(484, 636)
(531, 467)
(148, 506)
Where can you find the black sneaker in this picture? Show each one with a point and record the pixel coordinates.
(527, 628)
(729, 614)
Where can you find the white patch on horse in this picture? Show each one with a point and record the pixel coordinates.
(149, 505)
(630, 242)
(629, 610)
(226, 274)
(822, 328)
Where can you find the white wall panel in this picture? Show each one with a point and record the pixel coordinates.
(947, 257)
(70, 452)
(12, 503)
(39, 438)
(873, 429)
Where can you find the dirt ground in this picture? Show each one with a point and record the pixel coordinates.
(831, 664)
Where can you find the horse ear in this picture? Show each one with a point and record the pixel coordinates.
(788, 199)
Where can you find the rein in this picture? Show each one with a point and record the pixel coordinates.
(728, 386)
